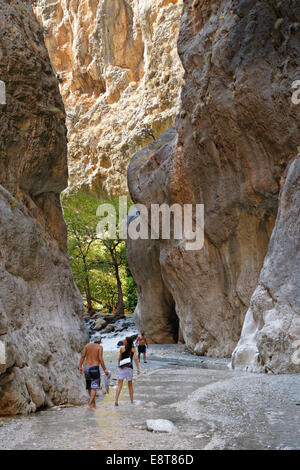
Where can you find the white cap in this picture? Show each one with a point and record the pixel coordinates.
(96, 337)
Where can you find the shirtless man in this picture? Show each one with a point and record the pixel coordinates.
(93, 354)
(142, 342)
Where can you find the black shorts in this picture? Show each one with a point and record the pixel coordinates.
(142, 349)
(92, 377)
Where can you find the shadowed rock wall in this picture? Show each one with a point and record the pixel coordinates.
(41, 332)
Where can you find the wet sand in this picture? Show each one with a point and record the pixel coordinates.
(211, 406)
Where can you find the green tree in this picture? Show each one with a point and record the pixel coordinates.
(103, 288)
(115, 259)
(80, 216)
(99, 266)
(130, 290)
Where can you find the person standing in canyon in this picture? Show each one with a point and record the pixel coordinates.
(142, 343)
(93, 356)
(127, 353)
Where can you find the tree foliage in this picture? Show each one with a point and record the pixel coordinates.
(99, 267)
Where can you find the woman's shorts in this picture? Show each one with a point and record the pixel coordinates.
(92, 377)
(125, 373)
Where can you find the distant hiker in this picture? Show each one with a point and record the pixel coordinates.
(93, 354)
(110, 309)
(127, 353)
(141, 343)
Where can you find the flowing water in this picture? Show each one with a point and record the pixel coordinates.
(211, 406)
(122, 328)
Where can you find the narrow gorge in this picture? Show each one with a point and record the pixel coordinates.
(172, 102)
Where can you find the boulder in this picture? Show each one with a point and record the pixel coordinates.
(100, 324)
(109, 329)
(161, 425)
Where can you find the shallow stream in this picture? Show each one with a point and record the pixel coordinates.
(211, 406)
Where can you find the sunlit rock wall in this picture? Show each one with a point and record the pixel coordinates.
(120, 77)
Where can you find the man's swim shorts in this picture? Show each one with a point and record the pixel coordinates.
(92, 377)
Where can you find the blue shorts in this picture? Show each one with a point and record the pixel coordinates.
(92, 377)
(142, 349)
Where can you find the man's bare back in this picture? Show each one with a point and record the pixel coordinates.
(93, 357)
(93, 352)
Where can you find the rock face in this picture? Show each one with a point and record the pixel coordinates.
(41, 332)
(120, 77)
(235, 135)
(271, 332)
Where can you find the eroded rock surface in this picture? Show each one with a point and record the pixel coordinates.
(271, 332)
(120, 77)
(40, 328)
(235, 135)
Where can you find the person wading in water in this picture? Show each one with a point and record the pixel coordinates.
(127, 353)
(93, 354)
(141, 343)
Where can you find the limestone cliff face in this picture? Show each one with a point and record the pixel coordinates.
(40, 328)
(235, 135)
(271, 332)
(120, 77)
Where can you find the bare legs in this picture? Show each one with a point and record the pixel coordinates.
(130, 388)
(144, 356)
(92, 403)
(120, 385)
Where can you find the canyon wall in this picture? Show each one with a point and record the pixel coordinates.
(235, 136)
(120, 78)
(41, 333)
(270, 337)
